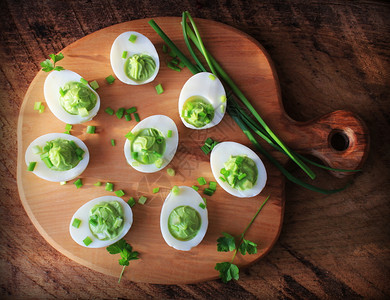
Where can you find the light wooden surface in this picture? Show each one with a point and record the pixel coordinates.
(328, 56)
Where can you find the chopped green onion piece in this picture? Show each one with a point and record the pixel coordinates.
(91, 129)
(241, 176)
(182, 65)
(201, 205)
(164, 48)
(131, 202)
(36, 149)
(37, 105)
(158, 163)
(119, 113)
(97, 183)
(173, 67)
(208, 191)
(130, 136)
(196, 188)
(82, 80)
(213, 185)
(110, 79)
(63, 182)
(212, 77)
(131, 110)
(112, 142)
(204, 200)
(76, 223)
(142, 200)
(128, 117)
(83, 112)
(47, 162)
(222, 108)
(68, 127)
(159, 89)
(124, 54)
(172, 53)
(223, 98)
(67, 132)
(136, 117)
(209, 141)
(120, 193)
(133, 38)
(31, 166)
(42, 109)
(135, 163)
(201, 180)
(169, 134)
(206, 150)
(175, 190)
(109, 187)
(109, 110)
(171, 172)
(94, 84)
(156, 190)
(222, 178)
(87, 241)
(78, 183)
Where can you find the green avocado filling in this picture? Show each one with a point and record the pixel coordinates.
(77, 98)
(197, 111)
(148, 147)
(61, 154)
(240, 172)
(184, 223)
(106, 220)
(140, 67)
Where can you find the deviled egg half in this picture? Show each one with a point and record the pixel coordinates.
(151, 144)
(70, 98)
(58, 156)
(238, 169)
(101, 222)
(202, 101)
(134, 58)
(183, 221)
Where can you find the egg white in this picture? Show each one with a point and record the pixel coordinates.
(187, 197)
(79, 234)
(141, 46)
(221, 154)
(201, 85)
(42, 171)
(56, 80)
(163, 124)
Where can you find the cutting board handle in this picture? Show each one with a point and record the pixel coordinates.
(340, 139)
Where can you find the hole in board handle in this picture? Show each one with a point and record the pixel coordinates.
(339, 140)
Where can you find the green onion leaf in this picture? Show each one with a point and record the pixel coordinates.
(119, 113)
(136, 117)
(131, 202)
(87, 241)
(131, 110)
(120, 193)
(128, 117)
(201, 180)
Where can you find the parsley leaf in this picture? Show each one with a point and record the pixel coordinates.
(226, 243)
(48, 66)
(247, 246)
(227, 271)
(126, 251)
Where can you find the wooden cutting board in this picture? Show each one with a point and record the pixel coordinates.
(51, 206)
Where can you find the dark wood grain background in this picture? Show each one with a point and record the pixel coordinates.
(328, 55)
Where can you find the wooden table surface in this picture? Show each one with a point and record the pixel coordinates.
(328, 56)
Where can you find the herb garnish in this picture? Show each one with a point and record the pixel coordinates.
(226, 243)
(48, 66)
(126, 252)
